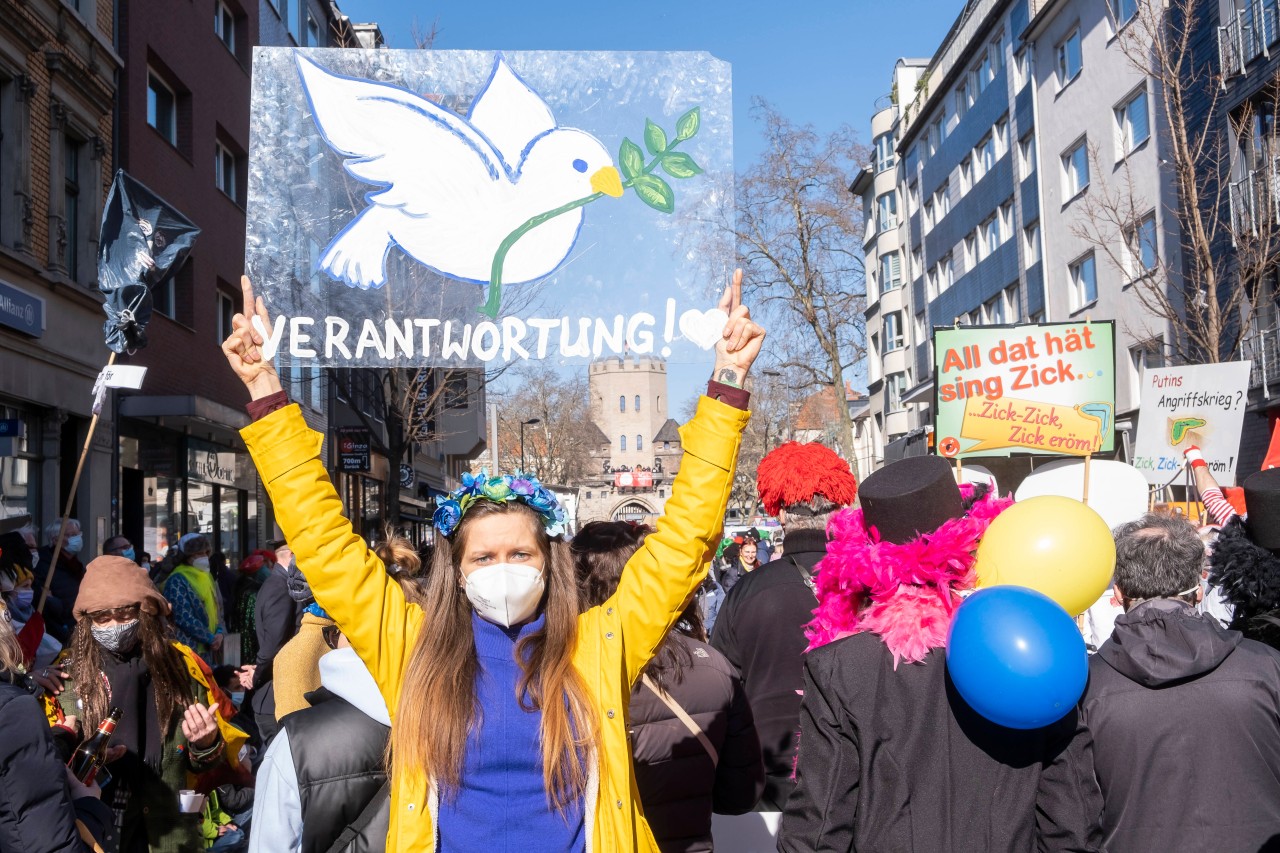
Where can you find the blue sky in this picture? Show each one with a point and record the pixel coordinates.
(825, 64)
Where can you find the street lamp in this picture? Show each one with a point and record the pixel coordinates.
(524, 424)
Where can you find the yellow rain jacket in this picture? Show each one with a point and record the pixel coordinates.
(615, 640)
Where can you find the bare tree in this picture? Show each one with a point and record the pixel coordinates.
(558, 448)
(1227, 208)
(799, 236)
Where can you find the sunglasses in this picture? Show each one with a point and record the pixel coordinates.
(331, 634)
(125, 613)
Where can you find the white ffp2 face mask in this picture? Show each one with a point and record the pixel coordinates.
(505, 594)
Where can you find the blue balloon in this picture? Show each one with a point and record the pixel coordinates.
(1016, 657)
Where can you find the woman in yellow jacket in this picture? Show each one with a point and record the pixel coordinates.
(508, 708)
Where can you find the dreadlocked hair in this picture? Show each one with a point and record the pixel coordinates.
(601, 550)
(168, 671)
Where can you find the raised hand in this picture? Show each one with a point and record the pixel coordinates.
(243, 347)
(740, 343)
(200, 726)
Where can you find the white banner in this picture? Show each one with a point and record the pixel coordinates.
(1199, 404)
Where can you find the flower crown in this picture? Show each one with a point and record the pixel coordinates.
(524, 488)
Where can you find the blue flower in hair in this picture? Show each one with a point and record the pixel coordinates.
(448, 514)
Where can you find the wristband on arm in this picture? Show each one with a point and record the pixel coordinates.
(1194, 457)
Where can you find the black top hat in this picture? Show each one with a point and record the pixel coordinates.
(1262, 498)
(909, 497)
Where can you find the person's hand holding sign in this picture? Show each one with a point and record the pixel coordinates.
(243, 347)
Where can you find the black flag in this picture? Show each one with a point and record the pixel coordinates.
(142, 243)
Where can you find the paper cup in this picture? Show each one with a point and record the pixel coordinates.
(191, 802)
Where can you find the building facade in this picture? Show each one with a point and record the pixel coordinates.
(58, 67)
(639, 448)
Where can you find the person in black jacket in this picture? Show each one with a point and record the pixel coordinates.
(693, 740)
(760, 626)
(275, 620)
(891, 758)
(1175, 697)
(42, 807)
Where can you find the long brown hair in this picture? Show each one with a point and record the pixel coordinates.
(437, 710)
(168, 672)
(600, 553)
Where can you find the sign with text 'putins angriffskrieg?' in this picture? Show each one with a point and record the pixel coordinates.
(1043, 389)
(1198, 404)
(456, 208)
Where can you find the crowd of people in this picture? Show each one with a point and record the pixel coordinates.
(517, 688)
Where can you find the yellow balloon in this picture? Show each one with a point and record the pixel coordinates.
(1051, 544)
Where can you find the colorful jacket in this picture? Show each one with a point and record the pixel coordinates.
(615, 640)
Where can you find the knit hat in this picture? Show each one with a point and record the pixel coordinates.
(795, 473)
(255, 561)
(111, 581)
(904, 589)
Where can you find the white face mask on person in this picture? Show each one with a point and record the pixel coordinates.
(120, 637)
(201, 563)
(74, 544)
(505, 594)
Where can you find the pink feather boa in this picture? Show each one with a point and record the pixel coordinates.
(906, 594)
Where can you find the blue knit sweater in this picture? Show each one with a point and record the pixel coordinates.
(502, 807)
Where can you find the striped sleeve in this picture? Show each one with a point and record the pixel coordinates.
(1219, 507)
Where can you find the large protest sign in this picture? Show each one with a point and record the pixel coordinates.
(453, 208)
(1199, 404)
(1043, 389)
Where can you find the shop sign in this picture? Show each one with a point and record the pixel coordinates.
(353, 449)
(407, 476)
(212, 465)
(21, 310)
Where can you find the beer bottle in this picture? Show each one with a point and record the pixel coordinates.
(92, 754)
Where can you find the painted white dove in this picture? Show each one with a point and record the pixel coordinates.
(450, 189)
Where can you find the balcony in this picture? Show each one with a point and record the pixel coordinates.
(1262, 349)
(1255, 200)
(1248, 34)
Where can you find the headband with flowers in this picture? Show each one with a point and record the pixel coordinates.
(520, 487)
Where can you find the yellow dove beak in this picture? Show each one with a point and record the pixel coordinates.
(607, 181)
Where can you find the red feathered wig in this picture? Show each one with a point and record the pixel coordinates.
(796, 473)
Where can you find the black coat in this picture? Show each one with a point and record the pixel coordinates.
(893, 761)
(37, 814)
(1177, 700)
(679, 785)
(59, 617)
(335, 785)
(275, 621)
(760, 629)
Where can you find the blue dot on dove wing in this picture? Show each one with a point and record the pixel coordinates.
(580, 165)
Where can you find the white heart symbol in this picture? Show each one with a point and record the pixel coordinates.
(704, 328)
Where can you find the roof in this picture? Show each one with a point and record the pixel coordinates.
(599, 437)
(670, 431)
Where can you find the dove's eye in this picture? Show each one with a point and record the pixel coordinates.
(580, 165)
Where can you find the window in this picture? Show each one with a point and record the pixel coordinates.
(895, 387)
(313, 31)
(990, 236)
(226, 310)
(887, 211)
(162, 296)
(1068, 58)
(1140, 247)
(932, 282)
(224, 170)
(995, 310)
(1027, 155)
(971, 250)
(885, 157)
(1006, 220)
(946, 272)
(1013, 303)
(1084, 283)
(1124, 10)
(890, 271)
(1132, 124)
(1075, 170)
(622, 443)
(622, 402)
(917, 263)
(1020, 77)
(1031, 243)
(1001, 137)
(913, 198)
(639, 442)
(457, 387)
(637, 401)
(966, 175)
(986, 155)
(931, 141)
(224, 25)
(73, 150)
(293, 18)
(922, 330)
(893, 339)
(162, 109)
(1146, 355)
(962, 101)
(996, 53)
(943, 198)
(984, 70)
